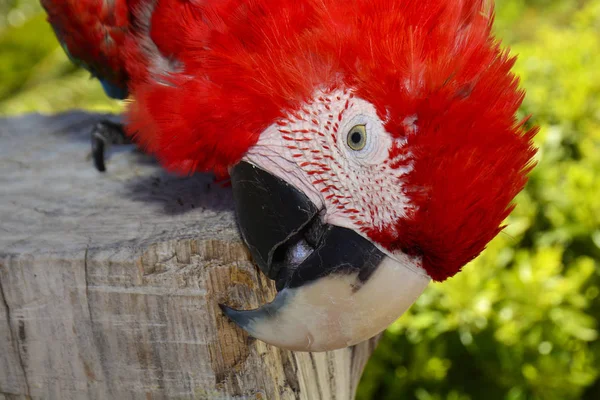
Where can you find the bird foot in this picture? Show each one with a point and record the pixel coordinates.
(104, 134)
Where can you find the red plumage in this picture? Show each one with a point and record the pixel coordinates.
(93, 32)
(207, 77)
(238, 66)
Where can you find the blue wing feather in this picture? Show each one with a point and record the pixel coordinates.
(113, 91)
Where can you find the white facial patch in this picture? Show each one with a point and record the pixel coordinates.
(336, 150)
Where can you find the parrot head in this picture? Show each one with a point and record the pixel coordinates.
(372, 146)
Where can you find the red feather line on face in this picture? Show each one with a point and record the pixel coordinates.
(246, 65)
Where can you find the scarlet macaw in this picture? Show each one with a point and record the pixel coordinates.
(372, 145)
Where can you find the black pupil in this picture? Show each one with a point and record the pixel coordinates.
(356, 137)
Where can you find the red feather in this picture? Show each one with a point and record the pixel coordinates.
(238, 66)
(94, 33)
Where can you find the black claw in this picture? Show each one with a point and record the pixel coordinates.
(105, 134)
(98, 153)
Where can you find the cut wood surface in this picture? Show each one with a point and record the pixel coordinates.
(110, 283)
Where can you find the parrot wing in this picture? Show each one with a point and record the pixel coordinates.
(92, 33)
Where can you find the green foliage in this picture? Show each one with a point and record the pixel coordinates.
(521, 321)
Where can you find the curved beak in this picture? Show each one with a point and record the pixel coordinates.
(335, 288)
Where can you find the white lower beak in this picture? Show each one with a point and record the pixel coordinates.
(336, 310)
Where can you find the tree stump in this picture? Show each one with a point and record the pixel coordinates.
(110, 283)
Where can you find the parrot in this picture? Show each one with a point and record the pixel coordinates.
(372, 146)
(92, 34)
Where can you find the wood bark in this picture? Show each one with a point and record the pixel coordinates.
(110, 283)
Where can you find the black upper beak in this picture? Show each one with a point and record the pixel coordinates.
(284, 233)
(270, 212)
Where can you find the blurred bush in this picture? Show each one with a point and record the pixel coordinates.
(522, 321)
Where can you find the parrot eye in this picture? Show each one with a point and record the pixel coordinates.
(357, 137)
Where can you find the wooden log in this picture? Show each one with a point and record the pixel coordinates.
(109, 283)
